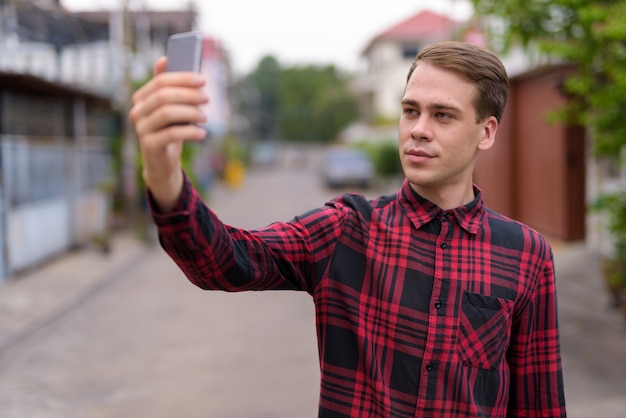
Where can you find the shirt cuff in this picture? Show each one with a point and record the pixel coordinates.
(179, 212)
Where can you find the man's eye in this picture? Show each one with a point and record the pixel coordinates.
(444, 116)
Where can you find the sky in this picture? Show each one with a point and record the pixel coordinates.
(293, 31)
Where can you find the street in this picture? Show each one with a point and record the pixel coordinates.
(145, 342)
(126, 335)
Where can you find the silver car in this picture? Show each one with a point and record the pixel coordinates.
(348, 167)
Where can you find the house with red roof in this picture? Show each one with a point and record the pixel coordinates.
(389, 55)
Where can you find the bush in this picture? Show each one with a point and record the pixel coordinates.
(387, 160)
(385, 157)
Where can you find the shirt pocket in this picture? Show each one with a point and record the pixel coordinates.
(484, 330)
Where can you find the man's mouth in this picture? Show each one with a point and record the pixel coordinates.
(418, 156)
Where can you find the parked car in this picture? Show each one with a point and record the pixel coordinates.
(266, 155)
(347, 167)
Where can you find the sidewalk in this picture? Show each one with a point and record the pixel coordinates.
(593, 336)
(37, 296)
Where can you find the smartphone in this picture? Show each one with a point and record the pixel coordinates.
(184, 52)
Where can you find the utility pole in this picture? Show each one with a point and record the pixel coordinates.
(129, 147)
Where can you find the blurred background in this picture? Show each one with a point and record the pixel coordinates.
(96, 322)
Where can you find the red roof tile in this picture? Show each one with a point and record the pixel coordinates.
(425, 23)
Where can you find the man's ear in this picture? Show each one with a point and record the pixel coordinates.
(490, 126)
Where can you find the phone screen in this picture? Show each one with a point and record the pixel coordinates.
(184, 52)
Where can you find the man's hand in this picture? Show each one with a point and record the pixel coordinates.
(165, 113)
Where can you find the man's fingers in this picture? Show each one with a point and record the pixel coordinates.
(167, 116)
(166, 80)
(158, 141)
(169, 105)
(176, 133)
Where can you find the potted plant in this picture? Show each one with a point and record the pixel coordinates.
(614, 265)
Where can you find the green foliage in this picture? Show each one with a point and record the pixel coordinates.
(614, 205)
(115, 150)
(315, 104)
(589, 34)
(233, 149)
(380, 120)
(306, 104)
(384, 155)
(265, 81)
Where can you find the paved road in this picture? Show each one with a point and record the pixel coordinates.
(127, 336)
(135, 339)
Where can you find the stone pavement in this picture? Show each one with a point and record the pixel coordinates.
(593, 336)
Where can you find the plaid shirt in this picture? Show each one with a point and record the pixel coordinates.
(420, 312)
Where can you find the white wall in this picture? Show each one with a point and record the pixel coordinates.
(36, 232)
(386, 77)
(91, 210)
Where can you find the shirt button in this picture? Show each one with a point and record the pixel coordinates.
(429, 366)
(443, 245)
(438, 304)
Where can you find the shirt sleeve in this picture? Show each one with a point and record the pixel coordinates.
(215, 256)
(534, 354)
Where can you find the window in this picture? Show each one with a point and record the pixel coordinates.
(410, 51)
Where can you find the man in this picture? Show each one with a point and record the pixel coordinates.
(427, 303)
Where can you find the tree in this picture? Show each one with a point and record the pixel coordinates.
(316, 103)
(309, 103)
(590, 35)
(264, 106)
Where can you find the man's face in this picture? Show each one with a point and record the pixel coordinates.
(439, 137)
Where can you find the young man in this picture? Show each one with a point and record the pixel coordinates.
(428, 304)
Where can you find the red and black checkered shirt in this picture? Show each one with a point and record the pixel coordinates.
(420, 312)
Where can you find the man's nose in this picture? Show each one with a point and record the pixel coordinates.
(421, 129)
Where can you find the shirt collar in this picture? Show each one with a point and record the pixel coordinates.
(421, 211)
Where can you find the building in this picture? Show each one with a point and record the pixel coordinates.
(105, 64)
(55, 169)
(65, 80)
(91, 50)
(388, 56)
(216, 69)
